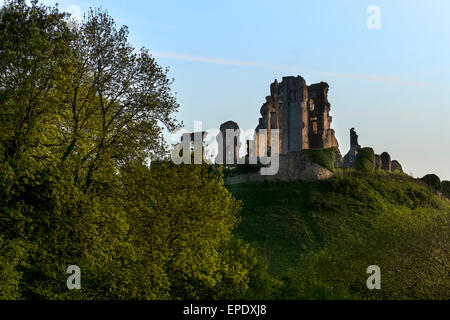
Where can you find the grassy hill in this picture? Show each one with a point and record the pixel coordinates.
(320, 237)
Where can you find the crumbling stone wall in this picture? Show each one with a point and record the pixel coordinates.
(396, 166)
(350, 158)
(385, 162)
(228, 154)
(320, 134)
(300, 112)
(377, 162)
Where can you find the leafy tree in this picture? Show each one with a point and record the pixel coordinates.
(81, 113)
(182, 218)
(12, 257)
(78, 98)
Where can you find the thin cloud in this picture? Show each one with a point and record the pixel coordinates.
(253, 64)
(217, 61)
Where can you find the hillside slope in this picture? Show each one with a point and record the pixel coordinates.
(320, 237)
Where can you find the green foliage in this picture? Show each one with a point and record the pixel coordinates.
(246, 275)
(365, 160)
(183, 216)
(241, 169)
(323, 157)
(80, 111)
(12, 257)
(76, 103)
(445, 188)
(433, 181)
(308, 284)
(319, 238)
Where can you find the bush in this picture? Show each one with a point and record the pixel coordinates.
(433, 181)
(445, 188)
(12, 256)
(323, 157)
(243, 275)
(365, 160)
(181, 217)
(241, 169)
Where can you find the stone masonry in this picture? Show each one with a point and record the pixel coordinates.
(228, 154)
(300, 113)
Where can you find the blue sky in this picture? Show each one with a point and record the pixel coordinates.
(391, 84)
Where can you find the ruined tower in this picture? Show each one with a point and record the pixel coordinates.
(320, 134)
(350, 157)
(228, 143)
(300, 113)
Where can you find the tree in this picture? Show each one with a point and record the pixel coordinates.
(182, 217)
(75, 105)
(81, 113)
(78, 97)
(117, 98)
(12, 254)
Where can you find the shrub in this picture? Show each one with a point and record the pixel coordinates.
(433, 181)
(181, 217)
(241, 169)
(365, 160)
(12, 256)
(445, 188)
(323, 157)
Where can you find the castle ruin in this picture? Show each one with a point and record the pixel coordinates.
(228, 152)
(300, 112)
(301, 116)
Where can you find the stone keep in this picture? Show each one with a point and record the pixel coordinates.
(300, 113)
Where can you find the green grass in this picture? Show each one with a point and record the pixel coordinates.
(289, 220)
